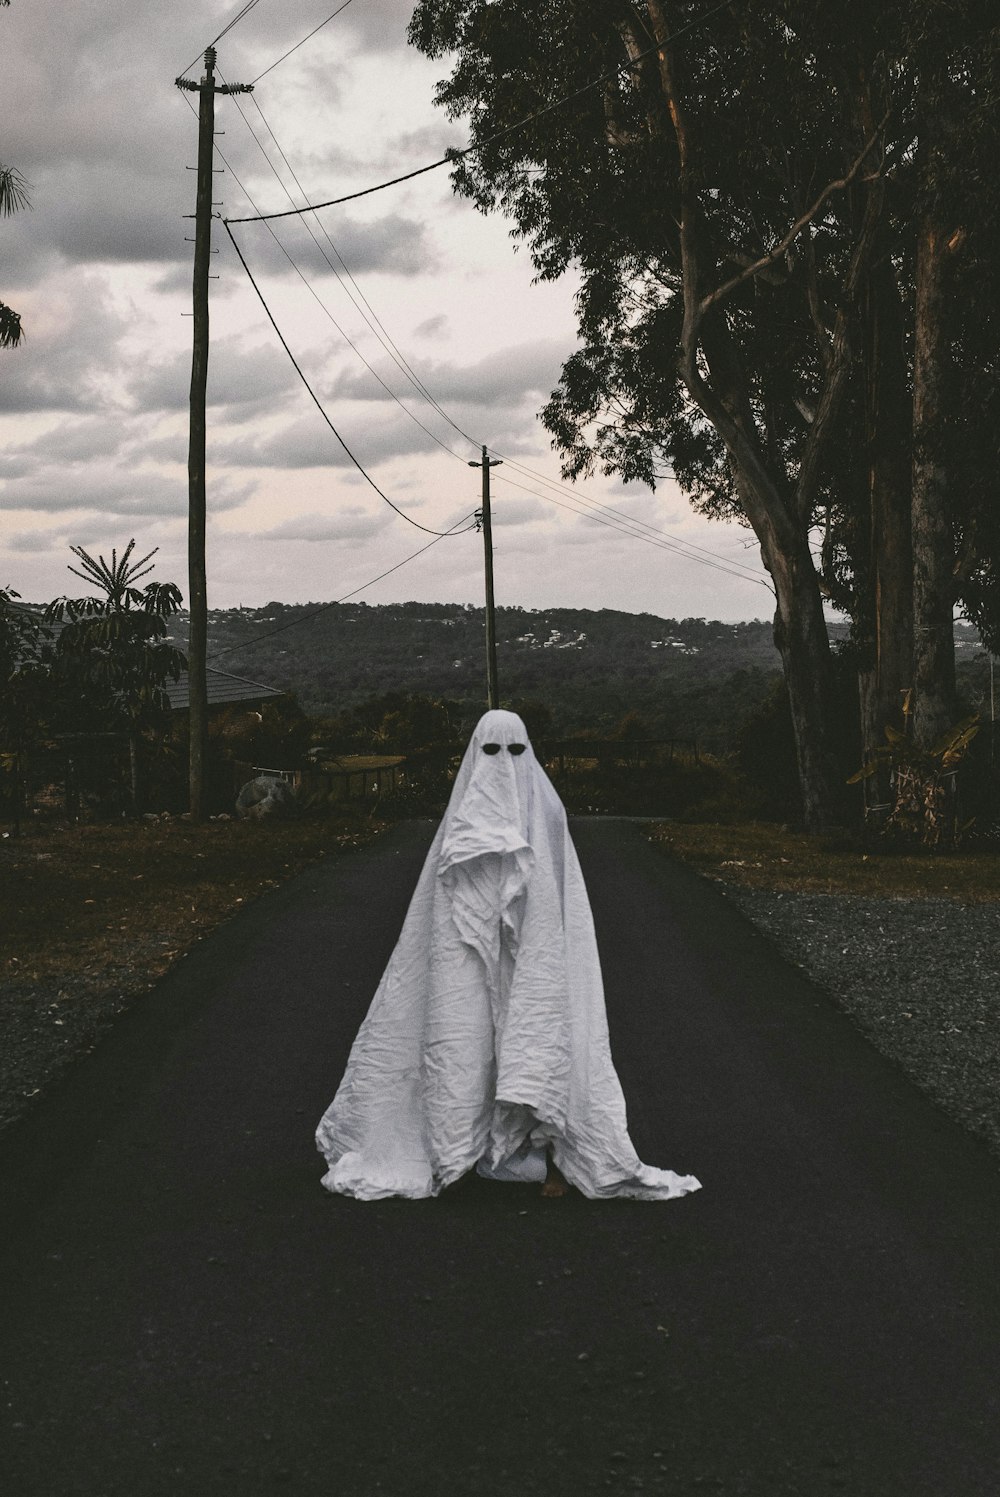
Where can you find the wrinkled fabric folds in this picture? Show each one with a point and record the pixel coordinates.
(486, 1043)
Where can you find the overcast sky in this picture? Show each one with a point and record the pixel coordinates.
(93, 405)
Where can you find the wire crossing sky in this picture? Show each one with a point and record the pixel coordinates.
(457, 155)
(417, 328)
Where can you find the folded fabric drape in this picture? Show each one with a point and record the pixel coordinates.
(486, 1043)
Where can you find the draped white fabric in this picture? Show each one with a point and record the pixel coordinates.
(487, 1041)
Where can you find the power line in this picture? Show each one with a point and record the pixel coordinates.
(439, 533)
(318, 404)
(617, 520)
(245, 11)
(454, 156)
(359, 301)
(651, 540)
(613, 524)
(677, 542)
(377, 327)
(638, 527)
(381, 333)
(302, 42)
(305, 619)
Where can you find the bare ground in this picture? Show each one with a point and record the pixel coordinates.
(93, 915)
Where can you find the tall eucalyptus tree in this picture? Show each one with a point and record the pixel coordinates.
(739, 187)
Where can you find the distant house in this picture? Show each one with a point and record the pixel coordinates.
(224, 690)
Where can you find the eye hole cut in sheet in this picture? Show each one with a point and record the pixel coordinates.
(486, 1044)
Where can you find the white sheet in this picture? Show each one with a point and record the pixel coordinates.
(487, 1039)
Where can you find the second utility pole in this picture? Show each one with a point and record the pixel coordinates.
(197, 579)
(492, 689)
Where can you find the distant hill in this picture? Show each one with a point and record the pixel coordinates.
(683, 677)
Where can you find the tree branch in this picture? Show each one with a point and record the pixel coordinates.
(765, 261)
(839, 361)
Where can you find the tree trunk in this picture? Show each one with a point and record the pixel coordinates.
(886, 672)
(933, 532)
(135, 773)
(801, 637)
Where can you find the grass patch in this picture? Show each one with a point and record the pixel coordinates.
(762, 855)
(128, 899)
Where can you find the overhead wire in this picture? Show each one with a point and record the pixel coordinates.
(360, 301)
(301, 43)
(656, 530)
(581, 504)
(538, 114)
(427, 529)
(625, 528)
(652, 540)
(616, 519)
(369, 315)
(362, 304)
(244, 11)
(319, 405)
(324, 607)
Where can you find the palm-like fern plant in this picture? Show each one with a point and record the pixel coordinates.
(113, 646)
(13, 197)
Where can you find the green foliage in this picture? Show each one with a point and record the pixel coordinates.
(112, 654)
(696, 682)
(743, 211)
(536, 716)
(766, 755)
(275, 735)
(25, 676)
(772, 106)
(13, 198)
(682, 789)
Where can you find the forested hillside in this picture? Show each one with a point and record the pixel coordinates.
(683, 678)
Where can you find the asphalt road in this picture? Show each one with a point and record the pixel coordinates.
(187, 1311)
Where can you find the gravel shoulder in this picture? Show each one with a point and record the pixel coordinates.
(919, 977)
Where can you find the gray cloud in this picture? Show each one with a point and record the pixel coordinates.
(241, 378)
(510, 375)
(433, 327)
(520, 511)
(135, 494)
(390, 245)
(428, 143)
(351, 524)
(69, 359)
(31, 541)
(373, 27)
(308, 443)
(108, 212)
(92, 119)
(381, 25)
(70, 442)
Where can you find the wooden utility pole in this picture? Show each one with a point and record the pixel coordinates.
(197, 578)
(492, 689)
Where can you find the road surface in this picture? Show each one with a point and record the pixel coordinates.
(187, 1311)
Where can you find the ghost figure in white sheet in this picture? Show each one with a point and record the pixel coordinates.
(486, 1043)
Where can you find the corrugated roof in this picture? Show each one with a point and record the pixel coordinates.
(223, 689)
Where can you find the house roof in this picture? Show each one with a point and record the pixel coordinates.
(223, 690)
